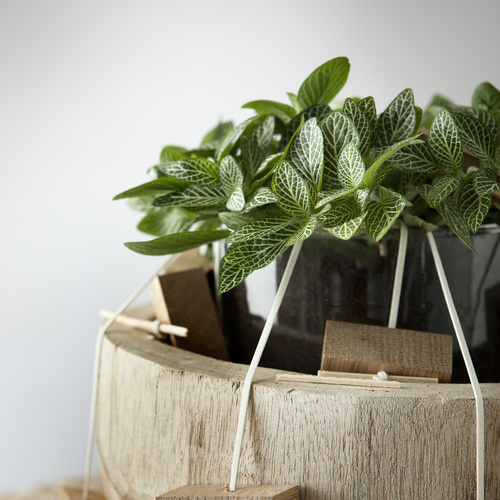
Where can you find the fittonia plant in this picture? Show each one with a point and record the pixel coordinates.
(290, 171)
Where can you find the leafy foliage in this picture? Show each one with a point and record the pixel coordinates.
(291, 170)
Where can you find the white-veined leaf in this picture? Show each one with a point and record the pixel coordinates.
(231, 275)
(338, 130)
(381, 215)
(398, 121)
(361, 122)
(361, 195)
(194, 197)
(263, 196)
(415, 157)
(451, 215)
(442, 187)
(291, 191)
(231, 176)
(236, 201)
(346, 230)
(324, 83)
(329, 196)
(485, 181)
(351, 167)
(231, 138)
(306, 152)
(473, 207)
(341, 212)
(197, 171)
(259, 228)
(475, 136)
(444, 142)
(304, 231)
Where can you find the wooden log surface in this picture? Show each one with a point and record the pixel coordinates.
(167, 418)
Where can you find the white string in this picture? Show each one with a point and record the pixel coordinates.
(97, 362)
(381, 376)
(469, 365)
(256, 358)
(398, 277)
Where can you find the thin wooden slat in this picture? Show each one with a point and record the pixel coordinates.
(369, 376)
(183, 298)
(314, 379)
(350, 347)
(218, 492)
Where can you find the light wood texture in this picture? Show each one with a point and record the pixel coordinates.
(369, 376)
(350, 347)
(67, 493)
(168, 417)
(153, 327)
(211, 492)
(183, 298)
(358, 382)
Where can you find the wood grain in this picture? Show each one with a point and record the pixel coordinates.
(68, 493)
(183, 298)
(168, 417)
(357, 382)
(211, 492)
(351, 347)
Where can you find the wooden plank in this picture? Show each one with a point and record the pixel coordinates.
(314, 379)
(184, 298)
(350, 347)
(168, 417)
(212, 492)
(68, 493)
(369, 376)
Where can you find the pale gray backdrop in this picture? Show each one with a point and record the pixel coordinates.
(90, 92)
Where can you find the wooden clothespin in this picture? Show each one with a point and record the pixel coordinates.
(155, 328)
(212, 492)
(184, 298)
(67, 493)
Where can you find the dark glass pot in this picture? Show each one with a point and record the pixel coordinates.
(352, 281)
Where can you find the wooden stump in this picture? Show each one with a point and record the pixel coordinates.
(167, 418)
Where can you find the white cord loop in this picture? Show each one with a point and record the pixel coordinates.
(381, 376)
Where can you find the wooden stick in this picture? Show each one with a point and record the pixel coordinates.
(153, 327)
(368, 376)
(338, 381)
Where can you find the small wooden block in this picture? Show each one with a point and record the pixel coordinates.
(211, 492)
(77, 494)
(350, 347)
(183, 298)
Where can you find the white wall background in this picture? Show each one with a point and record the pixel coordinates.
(91, 91)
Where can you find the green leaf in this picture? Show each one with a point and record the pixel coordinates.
(473, 207)
(361, 195)
(442, 187)
(263, 196)
(346, 230)
(259, 228)
(329, 196)
(381, 215)
(234, 220)
(292, 191)
(415, 157)
(264, 108)
(362, 123)
(214, 136)
(367, 106)
(306, 152)
(351, 167)
(444, 141)
(162, 221)
(255, 148)
(231, 275)
(161, 185)
(194, 197)
(475, 136)
(304, 231)
(172, 153)
(383, 156)
(266, 169)
(485, 181)
(338, 130)
(341, 212)
(177, 243)
(398, 121)
(487, 97)
(236, 201)
(231, 176)
(231, 138)
(258, 253)
(193, 170)
(451, 215)
(318, 111)
(324, 83)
